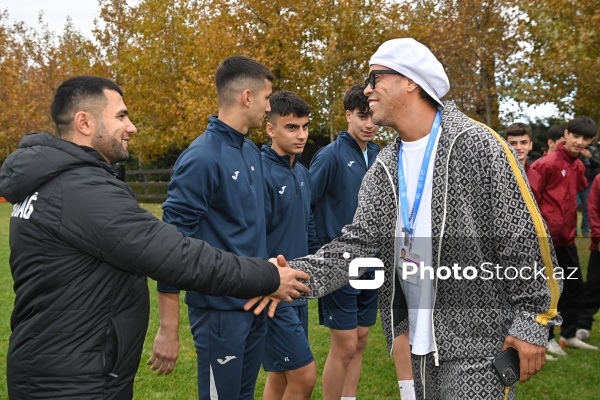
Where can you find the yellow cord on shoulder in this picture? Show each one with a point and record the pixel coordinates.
(506, 392)
(538, 222)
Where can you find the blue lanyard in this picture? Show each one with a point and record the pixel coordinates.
(409, 220)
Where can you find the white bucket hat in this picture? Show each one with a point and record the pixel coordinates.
(415, 61)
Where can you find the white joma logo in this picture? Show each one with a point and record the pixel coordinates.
(350, 163)
(282, 189)
(226, 360)
(234, 176)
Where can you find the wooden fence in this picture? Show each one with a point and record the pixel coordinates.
(150, 185)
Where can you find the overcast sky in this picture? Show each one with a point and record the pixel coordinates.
(82, 12)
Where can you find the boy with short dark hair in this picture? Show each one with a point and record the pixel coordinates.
(518, 136)
(292, 372)
(554, 136)
(561, 177)
(216, 194)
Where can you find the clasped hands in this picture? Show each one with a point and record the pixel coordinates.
(289, 288)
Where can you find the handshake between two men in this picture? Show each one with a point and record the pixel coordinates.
(290, 287)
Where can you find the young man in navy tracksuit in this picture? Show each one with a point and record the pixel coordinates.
(337, 171)
(291, 232)
(217, 194)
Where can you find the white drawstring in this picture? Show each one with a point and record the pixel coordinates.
(395, 258)
(423, 371)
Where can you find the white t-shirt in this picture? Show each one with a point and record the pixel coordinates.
(419, 293)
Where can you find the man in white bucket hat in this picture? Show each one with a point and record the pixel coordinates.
(479, 274)
(463, 202)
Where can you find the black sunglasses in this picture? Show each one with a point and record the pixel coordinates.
(370, 81)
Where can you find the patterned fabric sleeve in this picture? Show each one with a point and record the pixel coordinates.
(329, 266)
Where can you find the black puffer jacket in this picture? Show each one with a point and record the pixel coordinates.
(81, 248)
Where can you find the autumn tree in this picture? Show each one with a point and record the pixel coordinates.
(346, 33)
(33, 62)
(476, 41)
(12, 62)
(564, 56)
(164, 54)
(317, 49)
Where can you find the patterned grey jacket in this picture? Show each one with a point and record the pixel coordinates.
(484, 216)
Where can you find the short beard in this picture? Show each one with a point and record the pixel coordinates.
(111, 149)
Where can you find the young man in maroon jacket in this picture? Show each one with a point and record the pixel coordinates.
(561, 176)
(591, 296)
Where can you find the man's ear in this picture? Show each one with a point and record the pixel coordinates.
(270, 130)
(84, 123)
(412, 85)
(348, 115)
(247, 97)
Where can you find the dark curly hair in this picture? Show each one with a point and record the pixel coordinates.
(356, 99)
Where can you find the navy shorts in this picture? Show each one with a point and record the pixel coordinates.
(348, 308)
(287, 345)
(229, 347)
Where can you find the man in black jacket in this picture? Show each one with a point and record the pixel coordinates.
(81, 248)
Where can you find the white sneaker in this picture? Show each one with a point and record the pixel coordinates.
(554, 348)
(583, 335)
(576, 344)
(549, 357)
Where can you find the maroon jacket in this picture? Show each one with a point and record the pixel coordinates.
(561, 176)
(533, 177)
(593, 203)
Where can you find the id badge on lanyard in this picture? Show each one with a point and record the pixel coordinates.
(409, 263)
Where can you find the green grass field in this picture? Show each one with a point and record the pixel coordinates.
(572, 377)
